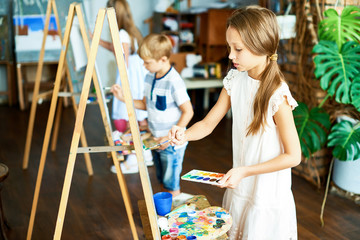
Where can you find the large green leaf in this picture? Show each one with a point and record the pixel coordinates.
(355, 93)
(337, 69)
(312, 127)
(343, 28)
(345, 138)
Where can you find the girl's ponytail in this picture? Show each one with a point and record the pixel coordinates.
(259, 31)
(270, 80)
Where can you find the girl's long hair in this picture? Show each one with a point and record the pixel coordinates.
(259, 32)
(125, 20)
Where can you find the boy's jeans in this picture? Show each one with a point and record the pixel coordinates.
(168, 163)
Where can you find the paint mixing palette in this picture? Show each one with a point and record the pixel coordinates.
(203, 177)
(209, 223)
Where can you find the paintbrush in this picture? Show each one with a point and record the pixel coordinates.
(157, 145)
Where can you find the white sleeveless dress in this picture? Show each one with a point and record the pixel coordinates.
(262, 206)
(136, 73)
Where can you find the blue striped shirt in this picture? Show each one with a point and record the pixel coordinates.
(163, 97)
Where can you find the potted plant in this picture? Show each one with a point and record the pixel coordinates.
(337, 66)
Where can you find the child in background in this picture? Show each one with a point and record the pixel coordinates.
(167, 103)
(130, 37)
(265, 140)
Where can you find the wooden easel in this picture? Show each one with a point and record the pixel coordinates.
(74, 149)
(36, 96)
(55, 95)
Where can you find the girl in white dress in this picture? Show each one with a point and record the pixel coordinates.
(265, 140)
(130, 37)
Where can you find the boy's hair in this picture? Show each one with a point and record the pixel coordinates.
(155, 46)
(125, 20)
(259, 31)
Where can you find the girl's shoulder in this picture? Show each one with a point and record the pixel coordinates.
(231, 75)
(124, 36)
(281, 94)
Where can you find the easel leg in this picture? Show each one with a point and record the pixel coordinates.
(57, 125)
(20, 86)
(36, 90)
(82, 136)
(57, 121)
(133, 125)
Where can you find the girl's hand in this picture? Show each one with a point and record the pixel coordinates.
(177, 134)
(233, 177)
(117, 91)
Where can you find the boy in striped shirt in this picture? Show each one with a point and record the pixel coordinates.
(167, 103)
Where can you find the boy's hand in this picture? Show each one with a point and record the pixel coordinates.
(118, 92)
(160, 140)
(177, 134)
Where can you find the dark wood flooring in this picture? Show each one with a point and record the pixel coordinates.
(95, 208)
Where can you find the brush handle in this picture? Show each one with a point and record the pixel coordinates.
(159, 144)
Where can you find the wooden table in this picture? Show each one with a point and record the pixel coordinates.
(206, 84)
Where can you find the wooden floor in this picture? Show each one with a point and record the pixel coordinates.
(95, 207)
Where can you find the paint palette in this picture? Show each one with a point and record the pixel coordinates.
(209, 223)
(203, 177)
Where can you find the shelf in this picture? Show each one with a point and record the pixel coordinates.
(26, 73)
(185, 22)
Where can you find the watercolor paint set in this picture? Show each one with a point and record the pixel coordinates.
(203, 177)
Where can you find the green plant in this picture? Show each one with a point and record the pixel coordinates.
(337, 66)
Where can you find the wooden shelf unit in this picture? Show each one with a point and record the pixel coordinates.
(212, 38)
(185, 21)
(26, 79)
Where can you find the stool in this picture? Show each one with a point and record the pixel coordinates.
(4, 172)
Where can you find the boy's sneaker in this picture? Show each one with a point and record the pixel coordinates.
(128, 166)
(125, 169)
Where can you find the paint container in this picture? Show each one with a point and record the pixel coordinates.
(163, 224)
(181, 237)
(192, 237)
(174, 232)
(191, 213)
(116, 137)
(166, 237)
(163, 202)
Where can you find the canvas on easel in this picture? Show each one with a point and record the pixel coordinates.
(74, 149)
(37, 96)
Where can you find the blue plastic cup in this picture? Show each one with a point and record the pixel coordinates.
(191, 237)
(163, 202)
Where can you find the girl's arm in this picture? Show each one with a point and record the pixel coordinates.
(107, 45)
(290, 158)
(204, 127)
(118, 93)
(110, 46)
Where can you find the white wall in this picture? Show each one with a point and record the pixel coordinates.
(105, 60)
